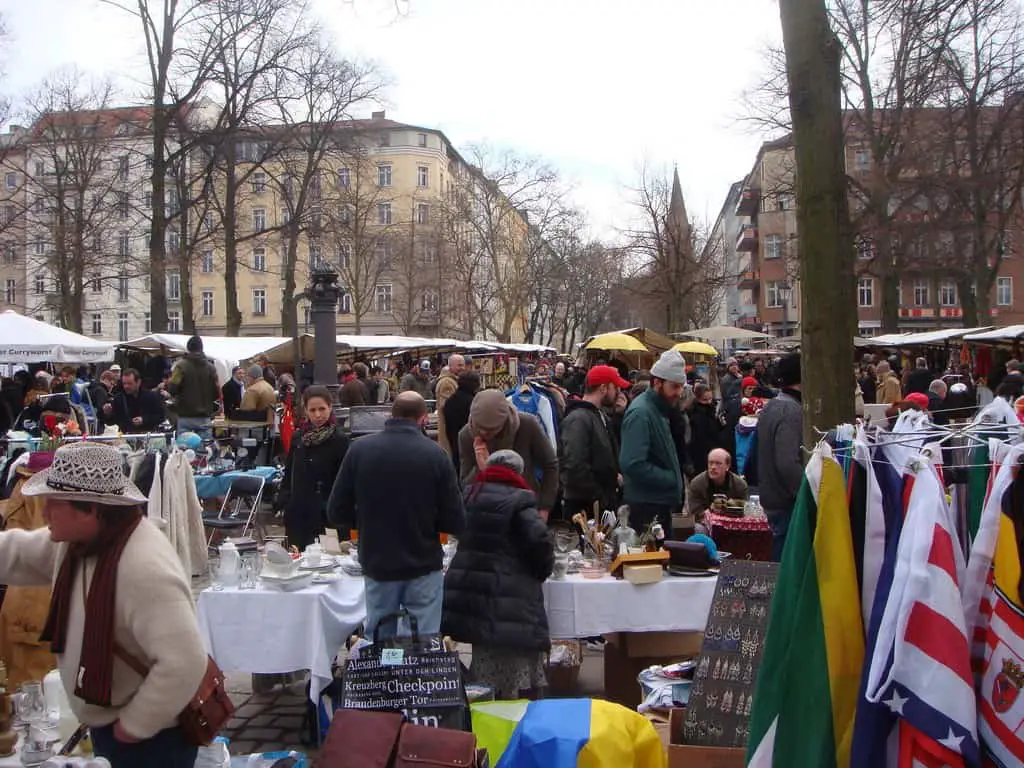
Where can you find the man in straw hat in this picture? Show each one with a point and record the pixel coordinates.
(117, 584)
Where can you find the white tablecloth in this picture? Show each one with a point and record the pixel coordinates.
(579, 607)
(265, 631)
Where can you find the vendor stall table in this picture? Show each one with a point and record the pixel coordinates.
(581, 607)
(216, 486)
(744, 537)
(266, 631)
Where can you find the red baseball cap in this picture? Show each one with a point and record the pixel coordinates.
(917, 399)
(605, 374)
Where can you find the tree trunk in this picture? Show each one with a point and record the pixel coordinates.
(823, 220)
(233, 315)
(888, 279)
(968, 302)
(158, 223)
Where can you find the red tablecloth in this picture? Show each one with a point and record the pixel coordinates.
(746, 537)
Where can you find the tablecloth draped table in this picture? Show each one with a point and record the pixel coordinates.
(744, 537)
(270, 632)
(581, 607)
(216, 486)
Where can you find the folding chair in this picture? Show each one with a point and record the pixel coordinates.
(240, 506)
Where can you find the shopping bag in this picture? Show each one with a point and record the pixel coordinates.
(424, 685)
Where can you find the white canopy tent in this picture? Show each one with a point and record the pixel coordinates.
(1009, 333)
(719, 333)
(925, 337)
(26, 340)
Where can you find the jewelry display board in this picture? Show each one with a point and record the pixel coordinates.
(718, 713)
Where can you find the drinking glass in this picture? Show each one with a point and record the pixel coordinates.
(247, 573)
(216, 581)
(33, 703)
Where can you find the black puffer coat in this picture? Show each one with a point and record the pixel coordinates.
(308, 478)
(493, 589)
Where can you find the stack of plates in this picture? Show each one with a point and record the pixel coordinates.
(327, 563)
(350, 566)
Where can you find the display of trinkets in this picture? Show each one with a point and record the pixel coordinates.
(718, 713)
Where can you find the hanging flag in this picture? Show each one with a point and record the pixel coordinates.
(287, 425)
(919, 662)
(868, 521)
(807, 685)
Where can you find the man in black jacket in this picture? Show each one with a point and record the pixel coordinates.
(134, 410)
(399, 489)
(587, 451)
(232, 392)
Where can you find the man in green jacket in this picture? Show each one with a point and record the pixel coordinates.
(195, 390)
(652, 480)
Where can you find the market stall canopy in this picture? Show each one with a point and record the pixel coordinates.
(232, 348)
(27, 340)
(616, 342)
(925, 338)
(788, 342)
(1009, 333)
(695, 348)
(723, 333)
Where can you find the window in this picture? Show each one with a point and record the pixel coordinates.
(124, 205)
(40, 168)
(208, 222)
(316, 189)
(865, 248)
(383, 298)
(428, 253)
(10, 253)
(259, 219)
(207, 303)
(947, 294)
(11, 180)
(1004, 246)
(259, 182)
(422, 177)
(422, 213)
(173, 321)
(147, 200)
(39, 285)
(383, 213)
(316, 221)
(173, 285)
(122, 167)
(421, 139)
(345, 216)
(96, 283)
(122, 326)
(866, 292)
(382, 253)
(149, 162)
(148, 324)
(39, 247)
(344, 178)
(345, 302)
(39, 206)
(383, 175)
(11, 291)
(316, 254)
(173, 241)
(206, 262)
(784, 202)
(773, 246)
(7, 215)
(862, 160)
(921, 298)
(259, 259)
(122, 287)
(773, 296)
(1004, 291)
(259, 301)
(385, 139)
(430, 301)
(123, 245)
(344, 256)
(97, 325)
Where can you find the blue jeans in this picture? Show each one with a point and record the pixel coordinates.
(198, 424)
(166, 749)
(421, 597)
(778, 521)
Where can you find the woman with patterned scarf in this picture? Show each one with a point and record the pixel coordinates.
(312, 465)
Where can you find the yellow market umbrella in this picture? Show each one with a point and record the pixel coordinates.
(616, 342)
(695, 348)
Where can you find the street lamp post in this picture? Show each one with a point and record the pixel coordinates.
(323, 294)
(785, 292)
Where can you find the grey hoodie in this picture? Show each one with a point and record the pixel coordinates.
(780, 465)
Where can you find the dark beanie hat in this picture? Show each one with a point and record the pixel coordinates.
(194, 344)
(787, 370)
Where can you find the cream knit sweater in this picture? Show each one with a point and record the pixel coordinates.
(154, 621)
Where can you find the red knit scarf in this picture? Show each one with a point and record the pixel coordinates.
(94, 681)
(495, 473)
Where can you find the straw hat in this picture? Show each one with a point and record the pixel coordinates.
(85, 472)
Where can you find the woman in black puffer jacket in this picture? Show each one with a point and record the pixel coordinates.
(493, 595)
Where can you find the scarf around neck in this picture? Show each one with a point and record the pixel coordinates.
(495, 473)
(94, 681)
(318, 435)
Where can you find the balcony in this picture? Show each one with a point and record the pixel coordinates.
(748, 202)
(749, 279)
(746, 241)
(749, 320)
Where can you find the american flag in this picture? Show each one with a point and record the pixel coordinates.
(919, 665)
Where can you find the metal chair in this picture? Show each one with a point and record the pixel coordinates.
(240, 506)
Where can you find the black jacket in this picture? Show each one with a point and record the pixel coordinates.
(146, 404)
(918, 380)
(493, 591)
(588, 455)
(232, 394)
(309, 476)
(398, 487)
(705, 434)
(456, 416)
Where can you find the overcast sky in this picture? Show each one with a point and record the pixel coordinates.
(593, 86)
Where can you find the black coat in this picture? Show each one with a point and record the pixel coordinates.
(231, 392)
(456, 416)
(145, 404)
(308, 478)
(493, 591)
(588, 455)
(706, 434)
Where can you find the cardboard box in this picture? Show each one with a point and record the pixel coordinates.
(689, 756)
(627, 654)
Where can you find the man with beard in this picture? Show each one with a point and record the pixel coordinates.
(588, 452)
(652, 478)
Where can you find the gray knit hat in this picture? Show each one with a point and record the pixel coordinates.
(507, 458)
(671, 367)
